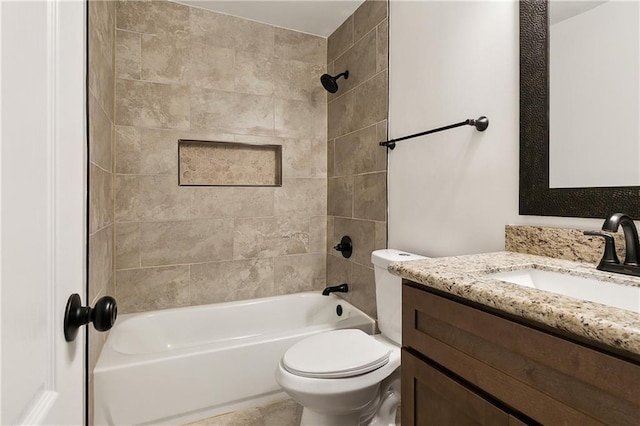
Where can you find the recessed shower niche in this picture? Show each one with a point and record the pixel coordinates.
(207, 163)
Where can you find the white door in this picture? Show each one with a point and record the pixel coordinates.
(42, 209)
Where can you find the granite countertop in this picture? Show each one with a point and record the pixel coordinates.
(466, 277)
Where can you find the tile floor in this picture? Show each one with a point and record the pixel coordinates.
(280, 413)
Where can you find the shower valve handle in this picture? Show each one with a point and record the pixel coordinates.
(344, 246)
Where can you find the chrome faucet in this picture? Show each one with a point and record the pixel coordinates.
(610, 262)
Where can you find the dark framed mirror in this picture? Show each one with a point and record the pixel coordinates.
(536, 196)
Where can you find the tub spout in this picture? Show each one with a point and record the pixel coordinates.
(342, 288)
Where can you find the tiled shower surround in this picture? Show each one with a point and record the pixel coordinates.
(101, 166)
(160, 71)
(357, 177)
(187, 73)
(183, 72)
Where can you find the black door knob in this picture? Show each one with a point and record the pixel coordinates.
(103, 315)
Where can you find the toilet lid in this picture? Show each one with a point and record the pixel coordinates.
(336, 354)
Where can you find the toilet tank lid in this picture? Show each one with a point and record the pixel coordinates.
(384, 258)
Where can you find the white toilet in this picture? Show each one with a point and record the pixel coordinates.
(347, 377)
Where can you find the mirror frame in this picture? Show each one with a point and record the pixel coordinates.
(536, 198)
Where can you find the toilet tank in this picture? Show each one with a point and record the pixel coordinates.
(389, 291)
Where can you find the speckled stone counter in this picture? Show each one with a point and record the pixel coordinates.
(558, 243)
(467, 277)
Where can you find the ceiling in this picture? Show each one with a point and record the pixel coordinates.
(318, 17)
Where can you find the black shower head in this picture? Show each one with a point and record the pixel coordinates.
(330, 84)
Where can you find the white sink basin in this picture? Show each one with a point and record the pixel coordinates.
(620, 296)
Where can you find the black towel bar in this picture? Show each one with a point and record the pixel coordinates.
(480, 124)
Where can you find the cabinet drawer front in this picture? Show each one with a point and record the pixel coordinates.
(432, 398)
(549, 379)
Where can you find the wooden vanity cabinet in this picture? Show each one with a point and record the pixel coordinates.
(437, 399)
(462, 365)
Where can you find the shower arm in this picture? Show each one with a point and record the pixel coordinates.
(480, 124)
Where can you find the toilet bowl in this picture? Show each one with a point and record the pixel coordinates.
(345, 396)
(347, 377)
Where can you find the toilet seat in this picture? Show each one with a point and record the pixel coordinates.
(336, 354)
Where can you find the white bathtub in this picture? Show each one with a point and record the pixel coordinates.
(180, 365)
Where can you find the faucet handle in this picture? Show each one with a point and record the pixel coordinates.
(344, 246)
(610, 255)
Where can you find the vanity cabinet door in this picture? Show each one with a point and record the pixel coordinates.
(429, 397)
(547, 378)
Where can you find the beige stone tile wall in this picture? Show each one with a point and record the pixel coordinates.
(187, 73)
(356, 166)
(101, 33)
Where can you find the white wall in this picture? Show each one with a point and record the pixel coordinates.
(453, 192)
